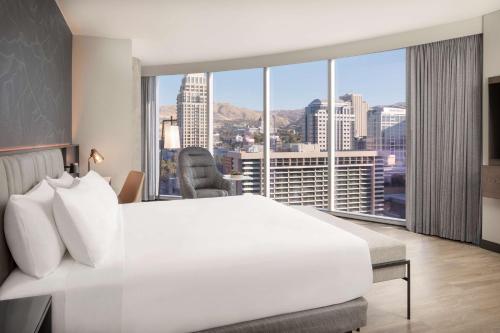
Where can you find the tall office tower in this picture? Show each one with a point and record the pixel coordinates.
(394, 141)
(192, 110)
(360, 110)
(387, 130)
(300, 177)
(316, 121)
(345, 122)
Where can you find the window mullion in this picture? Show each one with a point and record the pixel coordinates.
(267, 131)
(331, 134)
(210, 112)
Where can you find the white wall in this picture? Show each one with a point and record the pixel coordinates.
(491, 67)
(104, 115)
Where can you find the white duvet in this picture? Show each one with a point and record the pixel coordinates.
(187, 265)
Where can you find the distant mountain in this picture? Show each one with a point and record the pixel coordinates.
(288, 118)
(400, 105)
(167, 111)
(225, 113)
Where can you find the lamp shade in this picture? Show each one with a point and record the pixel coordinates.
(171, 139)
(96, 156)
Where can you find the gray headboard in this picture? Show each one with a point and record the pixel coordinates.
(18, 174)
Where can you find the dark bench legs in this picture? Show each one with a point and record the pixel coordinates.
(407, 279)
(408, 290)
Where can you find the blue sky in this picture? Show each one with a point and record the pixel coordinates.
(379, 77)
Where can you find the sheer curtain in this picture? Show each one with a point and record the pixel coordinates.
(150, 143)
(444, 138)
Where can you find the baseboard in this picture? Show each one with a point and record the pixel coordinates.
(495, 247)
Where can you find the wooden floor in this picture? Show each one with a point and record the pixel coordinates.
(455, 288)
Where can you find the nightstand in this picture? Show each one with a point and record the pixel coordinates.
(26, 315)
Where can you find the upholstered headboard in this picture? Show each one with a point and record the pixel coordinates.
(18, 174)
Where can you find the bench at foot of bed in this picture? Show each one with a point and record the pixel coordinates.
(388, 255)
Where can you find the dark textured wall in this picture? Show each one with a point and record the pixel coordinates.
(35, 74)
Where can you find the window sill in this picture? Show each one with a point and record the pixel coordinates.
(370, 218)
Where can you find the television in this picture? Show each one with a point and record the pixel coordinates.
(494, 117)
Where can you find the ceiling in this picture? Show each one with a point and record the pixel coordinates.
(185, 31)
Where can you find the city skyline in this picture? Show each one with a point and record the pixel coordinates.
(379, 77)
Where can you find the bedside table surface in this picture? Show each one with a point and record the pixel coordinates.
(23, 314)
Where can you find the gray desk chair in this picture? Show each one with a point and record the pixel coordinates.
(199, 177)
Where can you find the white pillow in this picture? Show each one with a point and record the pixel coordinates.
(87, 218)
(31, 232)
(66, 180)
(94, 177)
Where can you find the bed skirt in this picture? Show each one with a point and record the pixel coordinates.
(342, 317)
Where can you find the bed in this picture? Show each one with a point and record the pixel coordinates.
(235, 264)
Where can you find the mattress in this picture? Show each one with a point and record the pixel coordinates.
(188, 265)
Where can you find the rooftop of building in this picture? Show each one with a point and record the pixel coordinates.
(302, 154)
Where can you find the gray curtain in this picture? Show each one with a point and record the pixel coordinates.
(150, 143)
(444, 138)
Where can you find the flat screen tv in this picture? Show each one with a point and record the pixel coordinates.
(494, 102)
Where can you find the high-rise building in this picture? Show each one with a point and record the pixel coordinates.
(300, 177)
(345, 122)
(394, 140)
(360, 110)
(316, 125)
(359, 182)
(192, 110)
(387, 130)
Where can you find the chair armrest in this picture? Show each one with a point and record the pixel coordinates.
(225, 184)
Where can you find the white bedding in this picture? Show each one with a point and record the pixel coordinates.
(188, 265)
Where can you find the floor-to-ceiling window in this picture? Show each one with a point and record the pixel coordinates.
(182, 104)
(238, 133)
(370, 136)
(369, 133)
